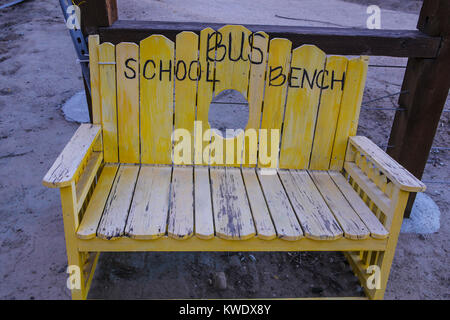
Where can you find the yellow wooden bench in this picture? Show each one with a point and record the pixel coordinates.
(149, 175)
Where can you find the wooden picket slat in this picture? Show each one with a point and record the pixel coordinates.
(232, 72)
(148, 212)
(301, 107)
(127, 66)
(156, 91)
(275, 94)
(350, 107)
(261, 215)
(232, 215)
(350, 222)
(204, 221)
(315, 217)
(94, 71)
(258, 66)
(330, 103)
(114, 218)
(204, 93)
(108, 101)
(186, 70)
(283, 216)
(181, 204)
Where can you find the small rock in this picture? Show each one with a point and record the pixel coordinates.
(220, 280)
(252, 257)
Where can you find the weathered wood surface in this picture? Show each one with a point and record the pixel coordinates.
(391, 168)
(230, 203)
(115, 213)
(148, 212)
(350, 222)
(68, 162)
(232, 215)
(283, 216)
(94, 211)
(348, 41)
(374, 225)
(315, 217)
(204, 221)
(261, 215)
(181, 205)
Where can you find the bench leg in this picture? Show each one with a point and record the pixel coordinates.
(373, 267)
(81, 265)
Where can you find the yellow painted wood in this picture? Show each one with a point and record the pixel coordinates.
(114, 218)
(156, 90)
(370, 220)
(350, 107)
(186, 88)
(261, 215)
(375, 194)
(71, 223)
(259, 52)
(232, 215)
(204, 221)
(283, 216)
(275, 90)
(94, 210)
(127, 56)
(148, 212)
(301, 107)
(181, 205)
(108, 101)
(87, 177)
(391, 168)
(315, 217)
(204, 92)
(232, 72)
(347, 218)
(330, 103)
(94, 42)
(216, 244)
(66, 166)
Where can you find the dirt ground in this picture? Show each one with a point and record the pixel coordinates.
(39, 72)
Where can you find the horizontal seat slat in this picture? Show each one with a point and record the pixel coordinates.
(350, 222)
(148, 202)
(114, 218)
(148, 212)
(315, 217)
(232, 215)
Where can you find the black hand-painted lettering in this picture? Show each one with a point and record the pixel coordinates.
(210, 47)
(197, 68)
(250, 54)
(177, 70)
(144, 74)
(230, 48)
(219, 45)
(333, 80)
(130, 68)
(320, 85)
(168, 70)
(291, 76)
(306, 76)
(280, 74)
(208, 79)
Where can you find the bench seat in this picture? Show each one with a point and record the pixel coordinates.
(149, 202)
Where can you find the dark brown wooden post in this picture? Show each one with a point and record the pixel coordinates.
(427, 83)
(97, 13)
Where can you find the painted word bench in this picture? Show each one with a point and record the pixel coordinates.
(151, 174)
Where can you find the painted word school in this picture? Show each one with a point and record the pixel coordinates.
(224, 49)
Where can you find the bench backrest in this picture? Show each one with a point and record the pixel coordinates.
(309, 102)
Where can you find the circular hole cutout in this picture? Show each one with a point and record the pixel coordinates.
(228, 110)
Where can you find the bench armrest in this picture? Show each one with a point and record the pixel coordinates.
(67, 164)
(401, 177)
